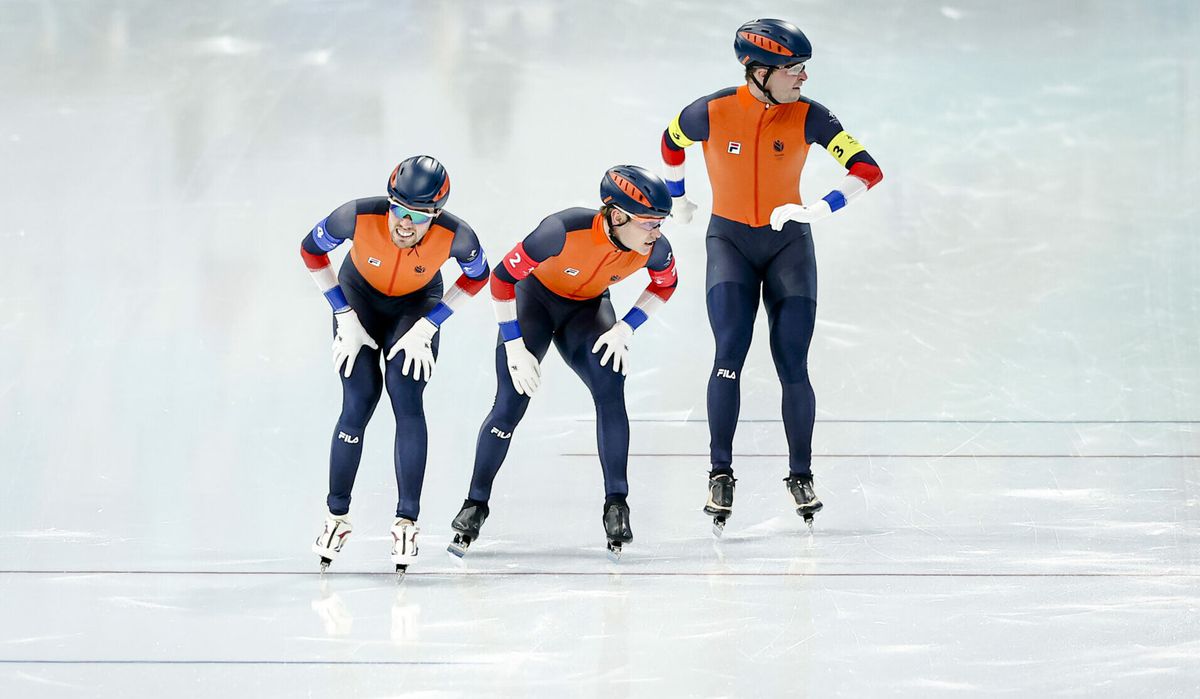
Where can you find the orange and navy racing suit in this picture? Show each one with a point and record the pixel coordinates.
(754, 153)
(389, 289)
(556, 281)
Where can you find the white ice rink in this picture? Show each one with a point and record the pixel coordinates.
(1007, 358)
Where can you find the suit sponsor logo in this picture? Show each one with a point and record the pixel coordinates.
(778, 146)
(615, 277)
(420, 269)
(502, 435)
(374, 262)
(571, 271)
(727, 374)
(347, 438)
(735, 148)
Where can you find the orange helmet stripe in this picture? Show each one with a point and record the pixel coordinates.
(629, 188)
(768, 44)
(445, 188)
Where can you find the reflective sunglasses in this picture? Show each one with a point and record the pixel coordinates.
(415, 215)
(794, 69)
(645, 222)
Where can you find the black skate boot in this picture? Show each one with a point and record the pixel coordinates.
(807, 504)
(466, 526)
(720, 500)
(616, 526)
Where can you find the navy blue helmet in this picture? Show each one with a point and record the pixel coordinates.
(771, 43)
(420, 182)
(635, 190)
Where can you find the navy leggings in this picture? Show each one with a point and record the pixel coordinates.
(386, 319)
(573, 326)
(744, 262)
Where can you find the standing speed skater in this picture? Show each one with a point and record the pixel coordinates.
(553, 288)
(756, 137)
(388, 304)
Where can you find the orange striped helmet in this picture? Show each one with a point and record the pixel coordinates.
(420, 182)
(635, 190)
(771, 43)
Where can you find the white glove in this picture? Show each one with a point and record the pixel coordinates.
(523, 367)
(799, 213)
(616, 344)
(417, 345)
(351, 336)
(682, 209)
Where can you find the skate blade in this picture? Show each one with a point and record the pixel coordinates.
(401, 569)
(718, 527)
(457, 551)
(614, 553)
(325, 564)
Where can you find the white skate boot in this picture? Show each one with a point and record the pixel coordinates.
(329, 544)
(404, 544)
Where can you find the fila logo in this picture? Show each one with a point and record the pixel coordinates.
(571, 271)
(501, 435)
(374, 262)
(347, 438)
(419, 269)
(727, 374)
(735, 147)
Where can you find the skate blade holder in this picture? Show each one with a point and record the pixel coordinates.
(458, 548)
(614, 551)
(718, 526)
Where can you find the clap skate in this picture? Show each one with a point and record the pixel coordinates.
(720, 501)
(807, 504)
(616, 527)
(466, 526)
(404, 544)
(329, 544)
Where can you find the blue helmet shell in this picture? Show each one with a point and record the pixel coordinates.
(635, 190)
(420, 182)
(772, 43)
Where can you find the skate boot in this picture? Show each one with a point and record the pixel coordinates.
(616, 527)
(720, 501)
(404, 544)
(466, 526)
(329, 544)
(807, 504)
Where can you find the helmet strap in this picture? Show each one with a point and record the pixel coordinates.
(762, 87)
(612, 230)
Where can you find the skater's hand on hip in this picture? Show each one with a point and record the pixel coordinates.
(799, 213)
(417, 345)
(682, 209)
(615, 343)
(523, 367)
(351, 336)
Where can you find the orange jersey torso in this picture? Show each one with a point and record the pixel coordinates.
(588, 264)
(754, 155)
(389, 269)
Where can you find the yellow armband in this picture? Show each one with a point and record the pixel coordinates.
(843, 147)
(677, 134)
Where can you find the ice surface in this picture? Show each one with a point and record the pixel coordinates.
(1007, 359)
